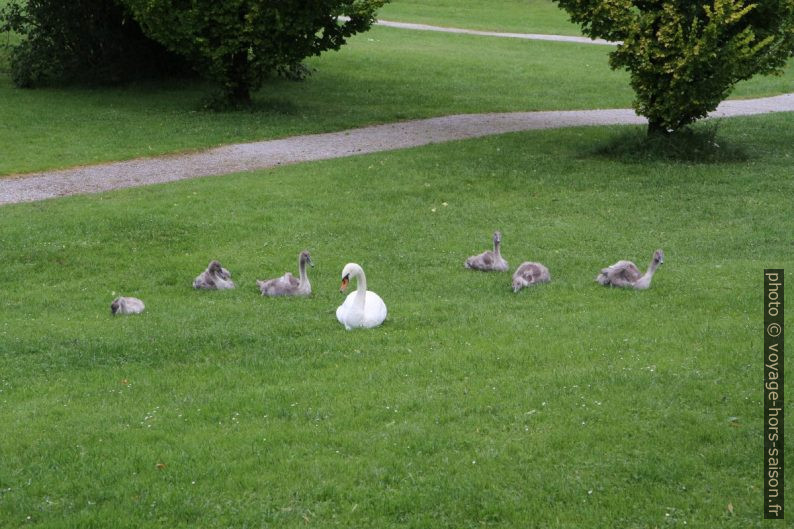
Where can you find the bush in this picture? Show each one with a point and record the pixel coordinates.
(238, 43)
(81, 41)
(684, 57)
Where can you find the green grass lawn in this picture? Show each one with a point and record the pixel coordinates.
(570, 405)
(382, 76)
(519, 16)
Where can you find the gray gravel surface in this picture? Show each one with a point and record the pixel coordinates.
(265, 154)
(525, 36)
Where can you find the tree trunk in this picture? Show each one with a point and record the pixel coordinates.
(240, 95)
(656, 129)
(240, 89)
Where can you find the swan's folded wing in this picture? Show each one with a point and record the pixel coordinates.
(278, 286)
(533, 273)
(484, 261)
(290, 280)
(224, 284)
(344, 312)
(623, 273)
(204, 280)
(375, 310)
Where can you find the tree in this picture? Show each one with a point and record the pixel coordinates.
(685, 56)
(81, 41)
(238, 43)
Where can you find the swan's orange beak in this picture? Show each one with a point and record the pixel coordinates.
(345, 281)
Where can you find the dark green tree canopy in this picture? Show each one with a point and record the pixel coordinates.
(685, 56)
(93, 41)
(237, 43)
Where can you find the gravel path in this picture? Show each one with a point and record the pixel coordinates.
(525, 36)
(264, 154)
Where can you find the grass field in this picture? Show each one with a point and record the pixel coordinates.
(520, 16)
(566, 406)
(570, 405)
(382, 76)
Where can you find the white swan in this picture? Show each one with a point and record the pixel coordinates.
(361, 308)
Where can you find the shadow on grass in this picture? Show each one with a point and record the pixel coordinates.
(274, 106)
(214, 103)
(694, 145)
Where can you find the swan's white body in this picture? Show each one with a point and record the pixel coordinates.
(361, 308)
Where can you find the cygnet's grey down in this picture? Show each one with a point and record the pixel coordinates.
(123, 305)
(528, 274)
(626, 274)
(215, 277)
(489, 260)
(288, 285)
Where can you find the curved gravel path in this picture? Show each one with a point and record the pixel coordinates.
(265, 154)
(525, 36)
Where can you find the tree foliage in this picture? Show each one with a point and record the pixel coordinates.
(238, 43)
(80, 41)
(685, 56)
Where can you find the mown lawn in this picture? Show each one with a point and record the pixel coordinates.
(570, 405)
(382, 76)
(516, 16)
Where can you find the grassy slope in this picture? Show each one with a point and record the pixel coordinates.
(522, 16)
(382, 76)
(528, 16)
(567, 406)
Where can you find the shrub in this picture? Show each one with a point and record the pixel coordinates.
(684, 56)
(81, 40)
(238, 43)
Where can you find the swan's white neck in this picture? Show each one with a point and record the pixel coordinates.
(496, 245)
(361, 285)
